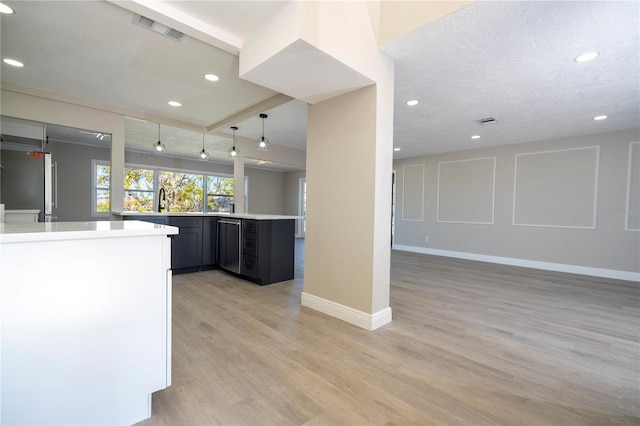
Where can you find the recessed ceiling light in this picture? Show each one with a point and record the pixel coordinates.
(13, 62)
(600, 117)
(397, 149)
(586, 57)
(413, 102)
(175, 103)
(211, 77)
(475, 137)
(6, 9)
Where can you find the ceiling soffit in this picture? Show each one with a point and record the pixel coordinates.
(313, 50)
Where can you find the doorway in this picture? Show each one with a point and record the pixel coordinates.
(393, 206)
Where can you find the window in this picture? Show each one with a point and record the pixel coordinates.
(219, 193)
(101, 188)
(138, 190)
(185, 191)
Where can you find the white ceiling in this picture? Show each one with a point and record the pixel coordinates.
(509, 60)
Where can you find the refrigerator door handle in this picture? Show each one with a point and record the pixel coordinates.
(55, 185)
(48, 187)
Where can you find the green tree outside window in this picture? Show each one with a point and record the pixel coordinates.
(103, 179)
(184, 191)
(139, 194)
(219, 193)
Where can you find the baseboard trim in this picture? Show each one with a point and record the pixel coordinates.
(345, 313)
(547, 266)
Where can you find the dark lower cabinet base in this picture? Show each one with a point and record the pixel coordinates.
(268, 247)
(176, 271)
(259, 281)
(208, 267)
(268, 251)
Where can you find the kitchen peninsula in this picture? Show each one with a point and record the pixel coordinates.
(86, 321)
(257, 247)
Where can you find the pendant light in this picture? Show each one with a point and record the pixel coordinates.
(159, 147)
(203, 154)
(234, 152)
(263, 143)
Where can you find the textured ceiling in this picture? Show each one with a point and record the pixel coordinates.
(514, 61)
(509, 60)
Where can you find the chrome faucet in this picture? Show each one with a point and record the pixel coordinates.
(162, 201)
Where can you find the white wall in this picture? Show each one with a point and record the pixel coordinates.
(266, 191)
(575, 194)
(292, 194)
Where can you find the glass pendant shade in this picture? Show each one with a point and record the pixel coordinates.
(159, 146)
(203, 154)
(263, 143)
(234, 152)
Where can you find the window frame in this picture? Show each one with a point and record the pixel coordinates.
(154, 184)
(95, 188)
(156, 172)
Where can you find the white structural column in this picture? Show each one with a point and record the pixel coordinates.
(238, 183)
(326, 54)
(117, 168)
(347, 253)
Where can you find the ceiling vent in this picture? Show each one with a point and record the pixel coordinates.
(486, 121)
(156, 27)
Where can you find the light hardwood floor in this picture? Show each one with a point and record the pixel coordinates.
(470, 343)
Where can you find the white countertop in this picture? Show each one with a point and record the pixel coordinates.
(254, 216)
(22, 211)
(55, 231)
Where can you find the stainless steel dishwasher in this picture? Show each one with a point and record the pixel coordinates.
(229, 244)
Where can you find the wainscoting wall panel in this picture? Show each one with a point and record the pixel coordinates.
(571, 201)
(466, 191)
(632, 212)
(556, 188)
(413, 190)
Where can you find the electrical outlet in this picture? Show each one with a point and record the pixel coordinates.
(426, 239)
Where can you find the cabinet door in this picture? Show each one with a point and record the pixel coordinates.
(249, 225)
(209, 241)
(250, 244)
(250, 266)
(186, 248)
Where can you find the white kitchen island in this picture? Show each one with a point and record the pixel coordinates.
(86, 321)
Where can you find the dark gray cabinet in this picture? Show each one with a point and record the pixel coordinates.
(209, 242)
(160, 220)
(194, 247)
(249, 267)
(186, 247)
(268, 248)
(264, 248)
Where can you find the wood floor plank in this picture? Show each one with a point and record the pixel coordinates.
(470, 343)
